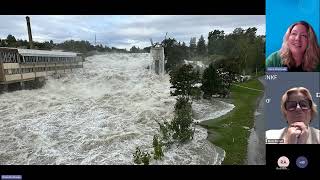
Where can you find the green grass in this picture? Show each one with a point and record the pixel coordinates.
(223, 130)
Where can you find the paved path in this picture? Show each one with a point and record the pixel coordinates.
(256, 143)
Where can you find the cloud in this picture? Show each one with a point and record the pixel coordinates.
(137, 32)
(124, 31)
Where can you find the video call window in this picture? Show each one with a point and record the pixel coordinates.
(292, 107)
(292, 84)
(292, 45)
(292, 39)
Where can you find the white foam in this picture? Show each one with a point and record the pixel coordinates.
(205, 110)
(96, 115)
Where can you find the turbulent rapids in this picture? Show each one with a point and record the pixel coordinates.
(99, 115)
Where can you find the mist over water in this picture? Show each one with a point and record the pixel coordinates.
(99, 115)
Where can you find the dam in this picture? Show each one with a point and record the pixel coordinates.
(21, 65)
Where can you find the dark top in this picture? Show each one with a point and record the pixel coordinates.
(274, 60)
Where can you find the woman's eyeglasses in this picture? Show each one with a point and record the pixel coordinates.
(292, 105)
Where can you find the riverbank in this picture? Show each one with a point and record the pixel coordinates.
(231, 131)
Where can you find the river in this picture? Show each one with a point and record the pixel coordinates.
(99, 115)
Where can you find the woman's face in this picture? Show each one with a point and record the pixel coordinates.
(298, 39)
(298, 108)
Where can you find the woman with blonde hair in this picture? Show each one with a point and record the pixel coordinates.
(299, 51)
(298, 109)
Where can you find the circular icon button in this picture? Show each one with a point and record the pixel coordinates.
(283, 162)
(302, 162)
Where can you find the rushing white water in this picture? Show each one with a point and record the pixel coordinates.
(204, 110)
(97, 115)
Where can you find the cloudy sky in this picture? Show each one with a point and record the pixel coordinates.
(124, 31)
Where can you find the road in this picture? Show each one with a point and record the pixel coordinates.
(256, 143)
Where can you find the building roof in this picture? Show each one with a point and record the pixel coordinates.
(34, 52)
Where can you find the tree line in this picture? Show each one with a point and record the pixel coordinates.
(241, 52)
(243, 48)
(228, 57)
(69, 45)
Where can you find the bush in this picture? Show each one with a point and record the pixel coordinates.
(182, 121)
(146, 158)
(165, 130)
(157, 147)
(137, 156)
(141, 157)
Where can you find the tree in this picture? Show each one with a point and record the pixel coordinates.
(184, 51)
(134, 49)
(173, 54)
(218, 78)
(147, 49)
(211, 82)
(250, 33)
(238, 31)
(182, 121)
(201, 47)
(3, 43)
(244, 47)
(22, 43)
(255, 52)
(184, 80)
(157, 148)
(193, 46)
(100, 48)
(216, 42)
(228, 64)
(260, 50)
(226, 79)
(11, 40)
(43, 46)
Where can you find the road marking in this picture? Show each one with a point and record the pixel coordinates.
(248, 88)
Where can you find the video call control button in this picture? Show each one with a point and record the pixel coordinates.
(283, 162)
(302, 162)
